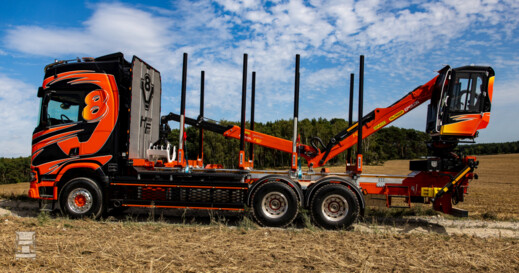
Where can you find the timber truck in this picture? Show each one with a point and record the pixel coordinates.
(101, 144)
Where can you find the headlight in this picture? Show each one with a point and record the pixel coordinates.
(34, 176)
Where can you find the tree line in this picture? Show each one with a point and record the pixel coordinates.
(14, 170)
(490, 148)
(386, 144)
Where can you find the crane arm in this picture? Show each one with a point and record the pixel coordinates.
(372, 122)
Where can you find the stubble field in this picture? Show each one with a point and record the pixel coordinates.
(487, 241)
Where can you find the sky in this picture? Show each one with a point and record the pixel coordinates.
(404, 43)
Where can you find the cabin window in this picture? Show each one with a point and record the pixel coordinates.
(466, 95)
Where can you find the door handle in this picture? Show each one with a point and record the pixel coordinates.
(74, 151)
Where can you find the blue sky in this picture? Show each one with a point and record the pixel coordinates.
(404, 41)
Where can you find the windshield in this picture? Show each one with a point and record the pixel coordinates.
(62, 108)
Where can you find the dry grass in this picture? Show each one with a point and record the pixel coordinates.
(84, 246)
(389, 167)
(494, 194)
(14, 191)
(120, 246)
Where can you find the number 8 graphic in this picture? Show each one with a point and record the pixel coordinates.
(147, 82)
(96, 107)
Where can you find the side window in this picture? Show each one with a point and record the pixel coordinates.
(477, 98)
(63, 108)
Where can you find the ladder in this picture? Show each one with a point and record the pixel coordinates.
(399, 192)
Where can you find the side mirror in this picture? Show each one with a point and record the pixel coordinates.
(40, 92)
(43, 124)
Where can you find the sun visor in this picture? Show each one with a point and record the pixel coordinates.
(145, 108)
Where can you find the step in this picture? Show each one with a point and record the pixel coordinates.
(397, 195)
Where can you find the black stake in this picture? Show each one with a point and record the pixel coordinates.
(252, 102)
(243, 103)
(183, 104)
(350, 111)
(296, 114)
(201, 135)
(361, 101)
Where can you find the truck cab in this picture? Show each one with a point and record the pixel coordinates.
(86, 120)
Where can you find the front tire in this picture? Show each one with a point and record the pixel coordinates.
(274, 204)
(81, 197)
(334, 206)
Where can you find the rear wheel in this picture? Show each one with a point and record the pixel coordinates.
(274, 204)
(334, 206)
(81, 197)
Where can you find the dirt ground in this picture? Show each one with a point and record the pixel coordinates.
(85, 246)
(487, 241)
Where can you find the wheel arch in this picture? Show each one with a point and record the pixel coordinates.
(293, 184)
(338, 180)
(90, 170)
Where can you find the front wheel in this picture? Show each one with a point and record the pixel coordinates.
(334, 206)
(81, 197)
(274, 204)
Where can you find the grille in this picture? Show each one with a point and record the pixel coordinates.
(153, 193)
(211, 195)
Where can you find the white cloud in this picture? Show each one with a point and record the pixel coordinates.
(332, 29)
(404, 41)
(506, 93)
(18, 112)
(503, 116)
(112, 27)
(322, 80)
(367, 11)
(237, 5)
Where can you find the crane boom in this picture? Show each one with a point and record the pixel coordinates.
(372, 122)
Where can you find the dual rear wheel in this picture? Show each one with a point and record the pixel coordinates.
(274, 204)
(333, 206)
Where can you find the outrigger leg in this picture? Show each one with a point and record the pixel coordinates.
(442, 201)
